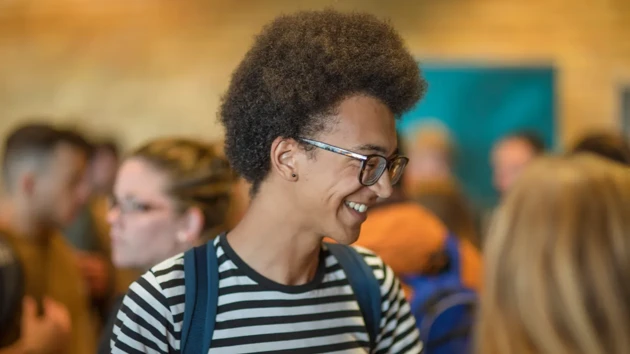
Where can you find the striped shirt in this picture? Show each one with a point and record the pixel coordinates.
(257, 315)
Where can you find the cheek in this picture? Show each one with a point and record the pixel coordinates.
(144, 241)
(337, 187)
(148, 232)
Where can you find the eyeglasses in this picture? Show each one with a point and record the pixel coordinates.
(129, 206)
(372, 166)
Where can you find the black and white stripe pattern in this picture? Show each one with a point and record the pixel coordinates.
(256, 315)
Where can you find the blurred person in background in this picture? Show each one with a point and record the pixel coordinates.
(510, 155)
(431, 155)
(171, 194)
(104, 165)
(557, 260)
(44, 183)
(509, 158)
(89, 233)
(614, 147)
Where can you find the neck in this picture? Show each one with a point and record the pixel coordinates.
(15, 218)
(272, 241)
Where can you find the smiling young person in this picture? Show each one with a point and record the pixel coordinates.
(310, 123)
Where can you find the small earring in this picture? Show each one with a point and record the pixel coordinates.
(293, 175)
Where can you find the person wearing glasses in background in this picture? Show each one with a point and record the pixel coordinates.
(169, 195)
(310, 121)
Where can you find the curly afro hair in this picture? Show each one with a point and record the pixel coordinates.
(298, 71)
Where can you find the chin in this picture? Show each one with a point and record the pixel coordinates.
(118, 261)
(346, 237)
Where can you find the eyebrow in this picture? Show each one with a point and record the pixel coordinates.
(370, 148)
(375, 148)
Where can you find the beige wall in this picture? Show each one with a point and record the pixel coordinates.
(147, 69)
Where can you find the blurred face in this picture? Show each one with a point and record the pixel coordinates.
(61, 190)
(143, 219)
(427, 164)
(104, 167)
(329, 193)
(509, 159)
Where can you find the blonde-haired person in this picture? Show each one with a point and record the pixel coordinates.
(169, 195)
(557, 269)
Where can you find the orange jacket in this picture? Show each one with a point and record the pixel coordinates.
(405, 236)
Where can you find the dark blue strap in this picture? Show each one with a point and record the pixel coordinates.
(201, 276)
(451, 248)
(213, 295)
(365, 286)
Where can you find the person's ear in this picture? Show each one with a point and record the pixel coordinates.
(26, 183)
(285, 154)
(192, 226)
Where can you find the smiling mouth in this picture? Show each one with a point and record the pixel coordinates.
(358, 207)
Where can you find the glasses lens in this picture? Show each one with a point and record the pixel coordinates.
(373, 169)
(397, 168)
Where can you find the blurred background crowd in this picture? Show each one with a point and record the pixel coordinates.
(133, 89)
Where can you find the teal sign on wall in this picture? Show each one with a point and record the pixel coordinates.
(480, 105)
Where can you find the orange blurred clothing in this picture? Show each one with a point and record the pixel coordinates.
(406, 236)
(51, 270)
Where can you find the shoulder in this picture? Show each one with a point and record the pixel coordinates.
(166, 275)
(375, 262)
(382, 272)
(151, 314)
(159, 292)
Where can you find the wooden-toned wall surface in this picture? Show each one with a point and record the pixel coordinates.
(139, 69)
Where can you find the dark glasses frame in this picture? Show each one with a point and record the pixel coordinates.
(402, 160)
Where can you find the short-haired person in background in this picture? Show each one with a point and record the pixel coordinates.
(509, 158)
(511, 155)
(89, 233)
(170, 194)
(44, 187)
(310, 120)
(556, 262)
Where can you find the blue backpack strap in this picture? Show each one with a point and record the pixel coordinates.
(365, 286)
(201, 276)
(451, 248)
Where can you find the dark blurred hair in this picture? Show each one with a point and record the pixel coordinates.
(531, 138)
(611, 146)
(38, 140)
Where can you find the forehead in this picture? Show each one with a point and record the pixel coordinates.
(364, 120)
(513, 149)
(137, 178)
(66, 156)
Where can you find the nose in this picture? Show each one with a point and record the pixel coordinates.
(383, 187)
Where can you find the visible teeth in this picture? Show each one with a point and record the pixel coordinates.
(361, 208)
